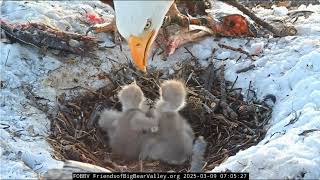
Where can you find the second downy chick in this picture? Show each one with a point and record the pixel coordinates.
(127, 130)
(174, 140)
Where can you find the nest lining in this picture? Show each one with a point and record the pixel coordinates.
(215, 110)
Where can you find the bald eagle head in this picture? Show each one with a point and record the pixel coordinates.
(139, 22)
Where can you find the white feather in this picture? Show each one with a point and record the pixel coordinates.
(132, 16)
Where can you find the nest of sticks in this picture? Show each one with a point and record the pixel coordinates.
(215, 109)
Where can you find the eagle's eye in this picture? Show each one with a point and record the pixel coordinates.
(148, 24)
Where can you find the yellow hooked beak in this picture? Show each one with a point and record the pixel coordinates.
(140, 48)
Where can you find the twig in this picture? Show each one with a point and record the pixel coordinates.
(5, 64)
(207, 108)
(190, 52)
(249, 89)
(223, 93)
(235, 49)
(294, 119)
(210, 77)
(27, 90)
(308, 131)
(246, 69)
(141, 165)
(223, 84)
(234, 82)
(62, 116)
(6, 126)
(189, 77)
(229, 112)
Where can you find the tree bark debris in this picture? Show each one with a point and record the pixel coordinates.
(44, 36)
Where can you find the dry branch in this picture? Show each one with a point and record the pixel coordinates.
(235, 49)
(246, 69)
(44, 36)
(228, 112)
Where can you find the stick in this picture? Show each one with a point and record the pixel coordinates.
(223, 84)
(246, 69)
(5, 64)
(44, 36)
(235, 49)
(229, 112)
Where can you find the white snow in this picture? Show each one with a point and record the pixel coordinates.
(256, 48)
(288, 68)
(280, 11)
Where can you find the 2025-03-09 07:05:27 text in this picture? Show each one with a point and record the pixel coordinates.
(169, 175)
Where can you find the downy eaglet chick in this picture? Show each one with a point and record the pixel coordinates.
(127, 130)
(174, 140)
